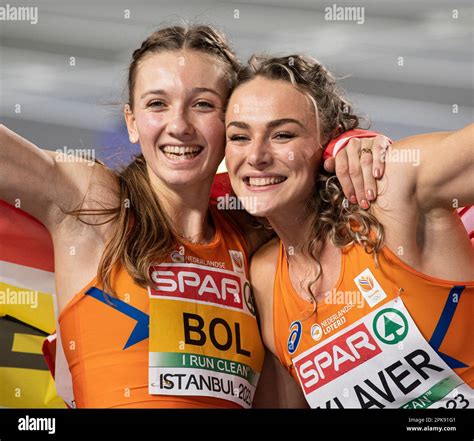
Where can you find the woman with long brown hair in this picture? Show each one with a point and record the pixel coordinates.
(365, 309)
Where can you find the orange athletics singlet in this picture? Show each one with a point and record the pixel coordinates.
(386, 336)
(190, 340)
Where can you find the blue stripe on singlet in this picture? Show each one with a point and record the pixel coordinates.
(442, 327)
(141, 331)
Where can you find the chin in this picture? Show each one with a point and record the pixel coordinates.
(176, 179)
(259, 208)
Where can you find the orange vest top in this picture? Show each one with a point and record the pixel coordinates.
(306, 343)
(106, 340)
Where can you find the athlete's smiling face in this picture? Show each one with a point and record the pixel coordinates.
(177, 115)
(272, 151)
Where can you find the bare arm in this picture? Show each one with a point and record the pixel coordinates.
(426, 178)
(432, 171)
(276, 388)
(446, 173)
(39, 181)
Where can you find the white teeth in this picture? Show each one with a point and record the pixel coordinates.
(260, 182)
(181, 150)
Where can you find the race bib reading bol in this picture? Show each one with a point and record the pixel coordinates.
(382, 360)
(204, 338)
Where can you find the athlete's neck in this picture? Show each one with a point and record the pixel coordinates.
(294, 231)
(187, 208)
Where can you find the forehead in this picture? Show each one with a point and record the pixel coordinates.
(261, 100)
(183, 68)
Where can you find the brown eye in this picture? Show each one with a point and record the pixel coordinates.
(284, 135)
(204, 105)
(238, 138)
(156, 104)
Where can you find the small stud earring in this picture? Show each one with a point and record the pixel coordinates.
(133, 139)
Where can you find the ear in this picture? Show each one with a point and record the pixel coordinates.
(131, 124)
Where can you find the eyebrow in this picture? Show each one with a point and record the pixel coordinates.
(194, 90)
(270, 125)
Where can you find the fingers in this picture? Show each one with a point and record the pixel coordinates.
(379, 149)
(359, 169)
(342, 173)
(330, 165)
(370, 185)
(358, 166)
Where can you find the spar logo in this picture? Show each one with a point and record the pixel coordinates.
(196, 282)
(325, 363)
(390, 326)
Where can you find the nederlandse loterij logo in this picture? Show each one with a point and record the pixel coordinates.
(390, 326)
(316, 332)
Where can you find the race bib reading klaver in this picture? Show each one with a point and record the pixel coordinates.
(202, 333)
(382, 360)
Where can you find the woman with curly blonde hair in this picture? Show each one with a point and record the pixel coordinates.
(365, 309)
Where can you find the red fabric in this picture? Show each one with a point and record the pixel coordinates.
(24, 240)
(49, 352)
(221, 186)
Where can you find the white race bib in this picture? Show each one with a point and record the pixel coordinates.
(382, 360)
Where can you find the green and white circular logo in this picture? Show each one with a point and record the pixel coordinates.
(390, 326)
(249, 298)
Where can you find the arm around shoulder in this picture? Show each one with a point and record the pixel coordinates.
(432, 171)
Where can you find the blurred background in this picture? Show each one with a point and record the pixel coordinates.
(408, 67)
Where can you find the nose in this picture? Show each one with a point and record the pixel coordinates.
(259, 155)
(180, 126)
